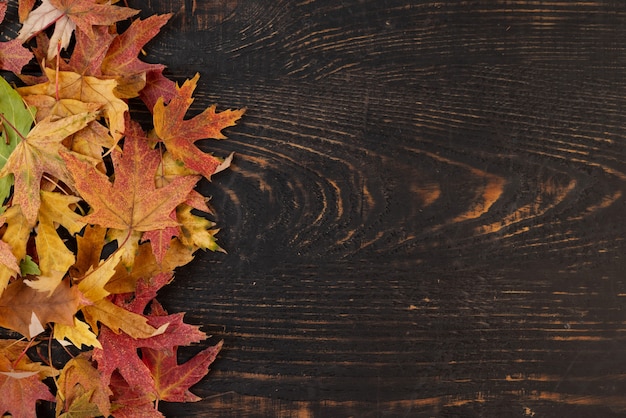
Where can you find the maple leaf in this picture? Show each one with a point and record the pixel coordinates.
(37, 154)
(121, 59)
(16, 236)
(157, 87)
(89, 141)
(67, 15)
(195, 230)
(54, 257)
(132, 202)
(89, 250)
(24, 8)
(89, 52)
(70, 85)
(169, 170)
(78, 333)
(119, 351)
(131, 402)
(17, 120)
(13, 56)
(172, 381)
(79, 386)
(24, 309)
(7, 258)
(21, 383)
(118, 319)
(20, 393)
(179, 135)
(161, 240)
(146, 266)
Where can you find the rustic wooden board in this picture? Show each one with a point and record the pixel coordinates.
(425, 213)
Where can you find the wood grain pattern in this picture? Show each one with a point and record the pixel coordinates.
(425, 213)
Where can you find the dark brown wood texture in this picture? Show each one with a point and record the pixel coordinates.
(426, 212)
(425, 216)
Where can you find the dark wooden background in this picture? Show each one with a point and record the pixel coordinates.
(426, 212)
(425, 216)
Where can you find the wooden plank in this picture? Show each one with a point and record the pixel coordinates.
(424, 215)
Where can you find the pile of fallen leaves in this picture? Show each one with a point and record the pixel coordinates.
(97, 213)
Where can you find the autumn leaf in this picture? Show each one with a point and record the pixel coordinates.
(89, 250)
(172, 381)
(79, 386)
(70, 85)
(67, 15)
(7, 259)
(158, 87)
(17, 120)
(119, 351)
(21, 385)
(131, 401)
(78, 333)
(89, 141)
(146, 266)
(121, 59)
(131, 202)
(16, 237)
(13, 56)
(21, 306)
(54, 257)
(179, 135)
(96, 214)
(170, 169)
(118, 320)
(37, 154)
(93, 283)
(195, 230)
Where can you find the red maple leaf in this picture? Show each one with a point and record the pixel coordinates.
(20, 393)
(172, 381)
(122, 55)
(119, 351)
(131, 402)
(89, 52)
(157, 87)
(13, 56)
(20, 380)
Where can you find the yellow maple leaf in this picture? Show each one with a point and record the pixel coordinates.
(92, 285)
(79, 334)
(195, 230)
(70, 85)
(90, 140)
(54, 257)
(16, 236)
(37, 154)
(119, 319)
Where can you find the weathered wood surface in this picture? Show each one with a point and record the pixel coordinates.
(426, 212)
(425, 216)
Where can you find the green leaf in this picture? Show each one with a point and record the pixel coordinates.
(16, 117)
(28, 266)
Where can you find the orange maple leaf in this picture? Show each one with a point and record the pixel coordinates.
(132, 202)
(179, 135)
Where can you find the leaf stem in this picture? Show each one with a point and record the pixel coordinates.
(23, 353)
(6, 121)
